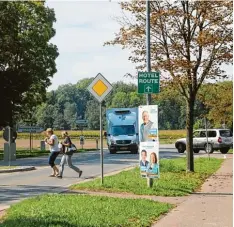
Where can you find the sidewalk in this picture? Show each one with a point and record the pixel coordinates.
(211, 207)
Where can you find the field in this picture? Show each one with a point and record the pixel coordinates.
(169, 135)
(91, 138)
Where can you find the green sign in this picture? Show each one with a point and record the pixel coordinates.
(148, 82)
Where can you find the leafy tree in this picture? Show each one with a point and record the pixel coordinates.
(27, 59)
(46, 115)
(70, 114)
(135, 99)
(218, 101)
(92, 114)
(120, 100)
(190, 40)
(59, 121)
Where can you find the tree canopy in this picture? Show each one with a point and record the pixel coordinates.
(190, 40)
(27, 59)
(67, 104)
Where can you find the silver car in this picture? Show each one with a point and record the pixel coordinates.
(218, 139)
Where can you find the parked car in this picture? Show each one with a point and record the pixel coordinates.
(218, 139)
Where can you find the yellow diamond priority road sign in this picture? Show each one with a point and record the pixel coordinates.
(100, 87)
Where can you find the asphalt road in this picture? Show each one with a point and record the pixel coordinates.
(20, 185)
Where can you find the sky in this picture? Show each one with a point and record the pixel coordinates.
(82, 27)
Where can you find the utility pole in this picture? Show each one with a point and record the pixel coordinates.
(148, 62)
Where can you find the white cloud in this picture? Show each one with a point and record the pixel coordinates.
(81, 30)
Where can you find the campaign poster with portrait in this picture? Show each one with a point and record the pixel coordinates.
(149, 142)
(149, 159)
(148, 123)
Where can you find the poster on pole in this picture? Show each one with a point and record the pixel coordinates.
(149, 142)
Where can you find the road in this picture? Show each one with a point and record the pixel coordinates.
(20, 185)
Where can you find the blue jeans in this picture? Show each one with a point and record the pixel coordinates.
(52, 157)
(67, 158)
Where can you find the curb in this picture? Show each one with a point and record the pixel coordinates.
(19, 169)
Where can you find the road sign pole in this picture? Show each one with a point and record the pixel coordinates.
(9, 153)
(148, 60)
(101, 143)
(30, 139)
(148, 96)
(100, 88)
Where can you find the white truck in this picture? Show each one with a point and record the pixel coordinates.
(122, 130)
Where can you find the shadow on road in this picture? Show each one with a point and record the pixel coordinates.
(9, 194)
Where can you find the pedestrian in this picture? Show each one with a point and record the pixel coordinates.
(67, 156)
(52, 141)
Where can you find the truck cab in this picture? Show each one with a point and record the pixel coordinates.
(122, 130)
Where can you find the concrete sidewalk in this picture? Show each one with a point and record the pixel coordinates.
(212, 206)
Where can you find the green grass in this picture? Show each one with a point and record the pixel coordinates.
(26, 153)
(174, 181)
(23, 153)
(83, 210)
(7, 167)
(230, 151)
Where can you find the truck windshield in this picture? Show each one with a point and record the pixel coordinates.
(123, 130)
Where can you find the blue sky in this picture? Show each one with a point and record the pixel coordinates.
(82, 27)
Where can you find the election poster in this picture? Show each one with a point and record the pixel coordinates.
(149, 142)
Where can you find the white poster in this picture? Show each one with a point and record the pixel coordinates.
(149, 143)
(148, 123)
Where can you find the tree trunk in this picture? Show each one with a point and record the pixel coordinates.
(189, 132)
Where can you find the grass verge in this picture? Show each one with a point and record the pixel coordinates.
(7, 167)
(83, 210)
(174, 181)
(36, 153)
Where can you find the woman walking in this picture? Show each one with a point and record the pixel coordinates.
(52, 141)
(67, 155)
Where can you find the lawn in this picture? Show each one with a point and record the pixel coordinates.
(7, 167)
(174, 181)
(83, 210)
(35, 153)
(26, 153)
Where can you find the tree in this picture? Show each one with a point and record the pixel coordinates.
(92, 114)
(217, 99)
(120, 100)
(27, 59)
(46, 116)
(70, 115)
(190, 41)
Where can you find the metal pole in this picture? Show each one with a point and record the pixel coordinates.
(148, 60)
(32, 140)
(207, 144)
(149, 182)
(9, 156)
(148, 96)
(101, 143)
(30, 137)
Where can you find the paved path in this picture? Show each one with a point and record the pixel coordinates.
(211, 207)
